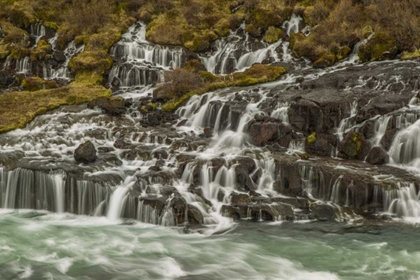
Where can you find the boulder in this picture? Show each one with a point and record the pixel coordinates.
(263, 132)
(354, 146)
(85, 153)
(112, 106)
(377, 156)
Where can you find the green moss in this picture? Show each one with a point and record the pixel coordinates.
(408, 55)
(40, 51)
(91, 61)
(4, 51)
(379, 47)
(311, 138)
(207, 76)
(36, 83)
(222, 27)
(272, 35)
(343, 52)
(19, 108)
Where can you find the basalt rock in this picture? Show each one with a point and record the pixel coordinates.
(85, 153)
(354, 146)
(113, 106)
(377, 156)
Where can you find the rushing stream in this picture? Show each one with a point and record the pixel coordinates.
(62, 246)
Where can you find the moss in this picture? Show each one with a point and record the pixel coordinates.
(222, 27)
(40, 51)
(253, 30)
(311, 138)
(207, 76)
(272, 35)
(343, 52)
(326, 60)
(410, 55)
(258, 73)
(91, 61)
(36, 83)
(379, 47)
(19, 108)
(4, 51)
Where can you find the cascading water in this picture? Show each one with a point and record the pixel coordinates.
(239, 51)
(143, 61)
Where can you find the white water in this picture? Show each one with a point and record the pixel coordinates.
(239, 51)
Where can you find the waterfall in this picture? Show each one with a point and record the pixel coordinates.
(59, 193)
(116, 202)
(381, 125)
(403, 201)
(405, 147)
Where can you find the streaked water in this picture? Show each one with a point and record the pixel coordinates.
(42, 245)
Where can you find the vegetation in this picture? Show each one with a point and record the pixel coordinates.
(19, 108)
(391, 27)
(179, 87)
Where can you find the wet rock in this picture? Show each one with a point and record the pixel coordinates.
(122, 143)
(243, 180)
(387, 139)
(320, 144)
(112, 106)
(246, 162)
(178, 206)
(263, 132)
(323, 212)
(158, 117)
(160, 154)
(239, 198)
(377, 156)
(195, 217)
(354, 146)
(306, 115)
(85, 153)
(208, 132)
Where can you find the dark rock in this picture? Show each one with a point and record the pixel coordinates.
(263, 132)
(321, 146)
(387, 139)
(85, 153)
(323, 212)
(377, 156)
(195, 217)
(354, 146)
(112, 106)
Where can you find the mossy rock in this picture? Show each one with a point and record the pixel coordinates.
(97, 61)
(381, 46)
(253, 30)
(272, 35)
(37, 83)
(207, 76)
(343, 52)
(325, 61)
(40, 51)
(222, 27)
(19, 108)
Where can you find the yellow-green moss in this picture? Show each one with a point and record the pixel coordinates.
(410, 55)
(326, 60)
(19, 108)
(40, 51)
(272, 35)
(380, 46)
(97, 61)
(311, 138)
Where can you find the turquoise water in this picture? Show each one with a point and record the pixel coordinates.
(42, 245)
